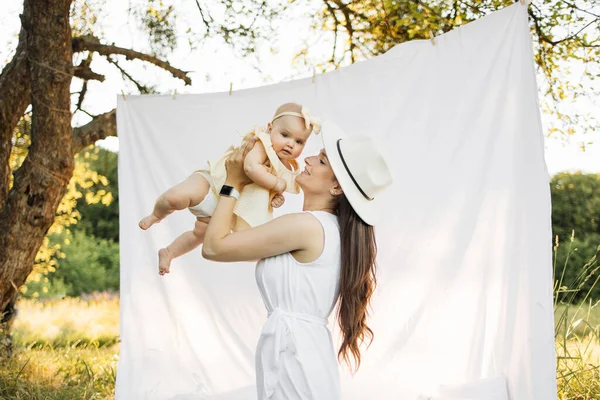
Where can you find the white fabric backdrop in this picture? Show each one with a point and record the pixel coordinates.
(464, 305)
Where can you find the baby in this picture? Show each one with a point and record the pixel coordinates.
(271, 165)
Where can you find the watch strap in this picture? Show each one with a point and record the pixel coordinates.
(229, 191)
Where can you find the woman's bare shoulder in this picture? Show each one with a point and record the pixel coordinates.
(300, 222)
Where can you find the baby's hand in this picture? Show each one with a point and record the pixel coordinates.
(281, 185)
(277, 201)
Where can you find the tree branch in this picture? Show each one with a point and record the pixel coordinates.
(581, 9)
(141, 88)
(84, 70)
(92, 43)
(335, 30)
(543, 37)
(348, 25)
(81, 96)
(206, 23)
(538, 29)
(87, 74)
(101, 127)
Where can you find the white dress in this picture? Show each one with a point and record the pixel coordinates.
(295, 357)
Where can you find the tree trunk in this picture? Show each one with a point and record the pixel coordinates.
(8, 317)
(40, 74)
(14, 99)
(41, 181)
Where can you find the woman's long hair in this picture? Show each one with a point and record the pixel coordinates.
(357, 281)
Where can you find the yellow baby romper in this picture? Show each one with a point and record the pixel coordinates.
(254, 204)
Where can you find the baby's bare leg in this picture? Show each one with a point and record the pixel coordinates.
(184, 243)
(185, 194)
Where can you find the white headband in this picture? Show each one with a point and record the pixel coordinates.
(308, 119)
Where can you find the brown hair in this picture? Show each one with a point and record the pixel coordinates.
(357, 281)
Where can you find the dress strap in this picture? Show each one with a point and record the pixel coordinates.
(277, 167)
(328, 221)
(278, 313)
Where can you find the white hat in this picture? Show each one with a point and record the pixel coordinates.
(360, 169)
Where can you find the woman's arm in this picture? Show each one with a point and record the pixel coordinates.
(287, 233)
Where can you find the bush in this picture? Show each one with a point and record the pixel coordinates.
(87, 264)
(575, 266)
(575, 204)
(90, 264)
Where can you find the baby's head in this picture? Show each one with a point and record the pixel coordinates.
(289, 130)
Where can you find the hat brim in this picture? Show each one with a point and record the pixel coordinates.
(366, 209)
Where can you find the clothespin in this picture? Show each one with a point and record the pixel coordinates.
(432, 37)
(230, 87)
(314, 78)
(523, 2)
(174, 94)
(123, 94)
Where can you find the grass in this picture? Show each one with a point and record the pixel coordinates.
(69, 322)
(83, 372)
(577, 331)
(64, 349)
(578, 352)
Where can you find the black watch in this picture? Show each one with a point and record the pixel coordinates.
(229, 191)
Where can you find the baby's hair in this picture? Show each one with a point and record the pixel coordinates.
(297, 110)
(293, 107)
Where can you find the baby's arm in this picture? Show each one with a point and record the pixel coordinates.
(257, 172)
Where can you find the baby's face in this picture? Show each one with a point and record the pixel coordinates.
(288, 136)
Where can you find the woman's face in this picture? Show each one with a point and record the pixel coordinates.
(317, 176)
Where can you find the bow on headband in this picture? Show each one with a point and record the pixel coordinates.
(308, 119)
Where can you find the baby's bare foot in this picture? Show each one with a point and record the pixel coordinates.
(164, 261)
(148, 221)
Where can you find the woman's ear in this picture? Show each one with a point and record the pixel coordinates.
(336, 190)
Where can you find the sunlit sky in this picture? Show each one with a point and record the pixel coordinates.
(214, 66)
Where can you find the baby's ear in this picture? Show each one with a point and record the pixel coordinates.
(269, 127)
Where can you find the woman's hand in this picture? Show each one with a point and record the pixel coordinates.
(234, 165)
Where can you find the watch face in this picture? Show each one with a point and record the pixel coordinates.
(226, 190)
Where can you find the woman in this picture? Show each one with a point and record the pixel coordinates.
(308, 261)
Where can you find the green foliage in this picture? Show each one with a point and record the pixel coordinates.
(159, 23)
(85, 16)
(566, 40)
(85, 255)
(575, 204)
(89, 264)
(100, 218)
(46, 286)
(67, 214)
(576, 268)
(576, 223)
